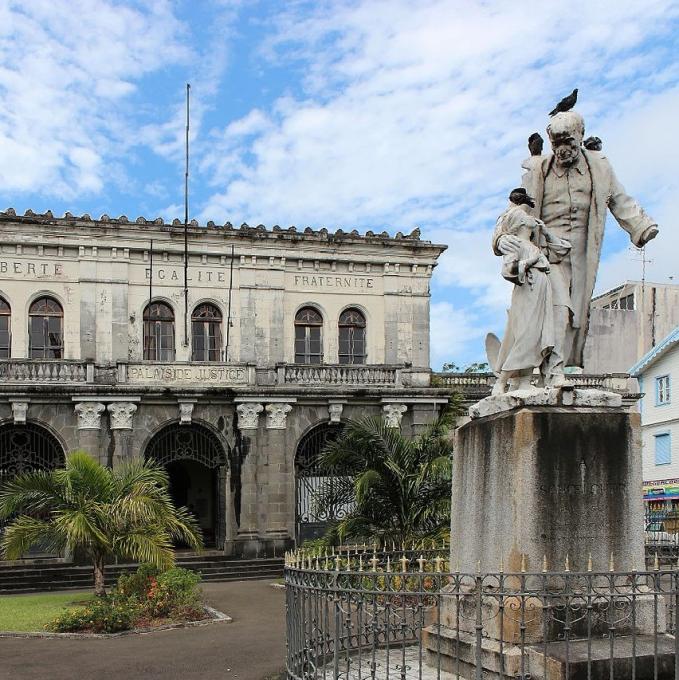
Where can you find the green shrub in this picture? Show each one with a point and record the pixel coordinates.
(105, 615)
(136, 601)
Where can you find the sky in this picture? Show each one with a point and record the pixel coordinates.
(362, 114)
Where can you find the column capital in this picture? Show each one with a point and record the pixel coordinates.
(248, 415)
(89, 414)
(276, 415)
(393, 414)
(121, 413)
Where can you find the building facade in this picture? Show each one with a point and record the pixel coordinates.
(235, 385)
(658, 376)
(626, 322)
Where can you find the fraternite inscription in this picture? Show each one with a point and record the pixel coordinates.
(333, 281)
(173, 374)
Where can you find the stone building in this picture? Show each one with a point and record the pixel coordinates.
(626, 322)
(284, 334)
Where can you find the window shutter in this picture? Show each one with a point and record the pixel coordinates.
(663, 449)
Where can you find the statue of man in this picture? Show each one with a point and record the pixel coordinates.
(572, 188)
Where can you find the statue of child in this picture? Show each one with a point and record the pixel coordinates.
(529, 335)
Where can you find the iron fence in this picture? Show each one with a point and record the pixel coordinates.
(408, 615)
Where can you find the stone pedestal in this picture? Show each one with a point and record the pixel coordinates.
(548, 482)
(531, 486)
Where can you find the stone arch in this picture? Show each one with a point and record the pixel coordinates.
(197, 462)
(309, 478)
(29, 447)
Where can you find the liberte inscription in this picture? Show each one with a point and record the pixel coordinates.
(190, 374)
(30, 269)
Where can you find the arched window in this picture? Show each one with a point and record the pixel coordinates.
(5, 329)
(158, 332)
(206, 333)
(308, 336)
(351, 337)
(46, 329)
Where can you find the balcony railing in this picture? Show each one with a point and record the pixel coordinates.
(45, 371)
(296, 374)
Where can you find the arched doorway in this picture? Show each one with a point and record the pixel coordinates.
(196, 464)
(24, 448)
(310, 522)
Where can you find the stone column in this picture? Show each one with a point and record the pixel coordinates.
(248, 423)
(89, 428)
(121, 414)
(273, 514)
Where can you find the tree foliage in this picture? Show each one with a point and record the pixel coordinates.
(391, 487)
(102, 513)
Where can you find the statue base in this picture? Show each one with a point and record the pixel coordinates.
(547, 482)
(541, 491)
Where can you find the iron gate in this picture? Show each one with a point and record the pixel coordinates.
(25, 448)
(310, 520)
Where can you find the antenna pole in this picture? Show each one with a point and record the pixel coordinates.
(151, 272)
(228, 310)
(186, 225)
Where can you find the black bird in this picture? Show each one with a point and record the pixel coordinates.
(592, 143)
(535, 144)
(566, 104)
(520, 197)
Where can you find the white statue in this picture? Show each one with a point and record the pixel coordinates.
(529, 340)
(572, 188)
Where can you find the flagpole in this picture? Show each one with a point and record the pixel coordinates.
(186, 226)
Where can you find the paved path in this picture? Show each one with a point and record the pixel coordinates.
(252, 647)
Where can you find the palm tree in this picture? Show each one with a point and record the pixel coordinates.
(99, 512)
(391, 488)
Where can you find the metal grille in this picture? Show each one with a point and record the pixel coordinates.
(25, 448)
(406, 616)
(186, 442)
(311, 521)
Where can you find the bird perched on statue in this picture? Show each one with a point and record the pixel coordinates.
(535, 144)
(566, 104)
(592, 143)
(520, 197)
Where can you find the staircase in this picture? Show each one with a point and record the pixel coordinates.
(52, 574)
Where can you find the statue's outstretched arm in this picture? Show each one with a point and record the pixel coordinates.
(630, 215)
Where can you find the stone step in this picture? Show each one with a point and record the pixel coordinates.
(60, 576)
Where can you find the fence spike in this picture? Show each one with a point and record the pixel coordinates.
(656, 562)
(421, 562)
(317, 566)
(308, 562)
(360, 562)
(589, 562)
(457, 564)
(523, 563)
(611, 563)
(388, 563)
(338, 559)
(568, 564)
(374, 562)
(404, 563)
(478, 566)
(327, 563)
(502, 564)
(544, 563)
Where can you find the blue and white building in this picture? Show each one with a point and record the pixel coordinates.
(658, 375)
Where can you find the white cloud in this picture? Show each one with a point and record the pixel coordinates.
(65, 67)
(417, 113)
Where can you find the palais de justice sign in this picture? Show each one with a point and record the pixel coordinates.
(186, 374)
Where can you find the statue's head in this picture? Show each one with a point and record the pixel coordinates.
(566, 131)
(515, 220)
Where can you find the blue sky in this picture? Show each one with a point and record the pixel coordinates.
(361, 114)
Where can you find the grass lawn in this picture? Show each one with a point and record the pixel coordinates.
(22, 613)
